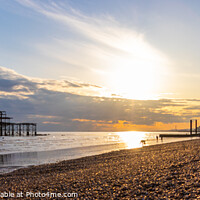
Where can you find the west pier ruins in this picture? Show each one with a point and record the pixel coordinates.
(8, 128)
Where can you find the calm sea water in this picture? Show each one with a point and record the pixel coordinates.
(16, 152)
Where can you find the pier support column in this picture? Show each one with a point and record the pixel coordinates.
(35, 129)
(5, 128)
(9, 128)
(1, 124)
(20, 129)
(13, 129)
(27, 129)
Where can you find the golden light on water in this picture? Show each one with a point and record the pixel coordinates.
(132, 139)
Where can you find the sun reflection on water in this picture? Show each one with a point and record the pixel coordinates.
(132, 139)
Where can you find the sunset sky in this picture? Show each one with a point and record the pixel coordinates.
(100, 65)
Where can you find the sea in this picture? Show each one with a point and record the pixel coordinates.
(51, 147)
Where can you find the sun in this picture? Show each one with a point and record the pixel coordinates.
(135, 80)
(138, 72)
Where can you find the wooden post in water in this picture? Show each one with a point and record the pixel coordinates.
(196, 126)
(1, 124)
(191, 127)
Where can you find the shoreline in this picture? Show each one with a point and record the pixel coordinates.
(13, 161)
(22, 157)
(16, 160)
(169, 170)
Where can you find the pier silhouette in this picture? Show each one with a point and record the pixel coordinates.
(8, 128)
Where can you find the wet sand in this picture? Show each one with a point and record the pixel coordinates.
(167, 171)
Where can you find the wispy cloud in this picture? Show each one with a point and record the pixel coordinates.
(100, 46)
(104, 31)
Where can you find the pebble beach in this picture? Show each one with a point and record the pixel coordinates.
(166, 171)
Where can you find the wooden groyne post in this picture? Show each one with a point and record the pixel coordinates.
(190, 127)
(195, 126)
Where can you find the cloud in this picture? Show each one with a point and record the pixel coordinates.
(61, 110)
(12, 83)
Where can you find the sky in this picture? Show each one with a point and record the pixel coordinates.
(109, 65)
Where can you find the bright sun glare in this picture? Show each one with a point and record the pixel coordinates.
(138, 72)
(132, 139)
